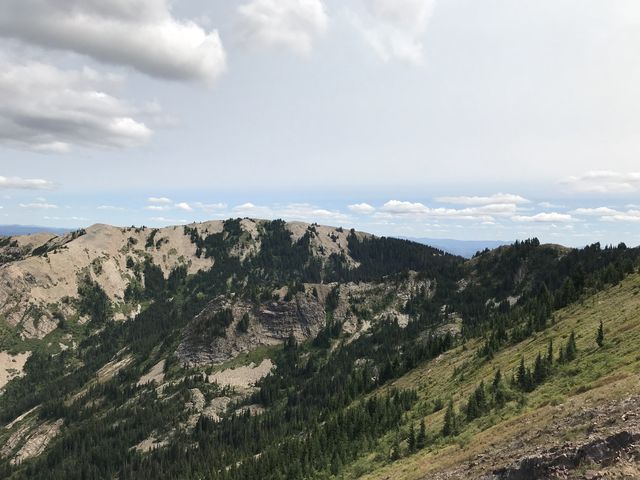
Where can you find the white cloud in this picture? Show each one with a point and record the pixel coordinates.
(398, 207)
(553, 217)
(142, 34)
(158, 208)
(248, 209)
(209, 207)
(39, 205)
(598, 212)
(79, 219)
(609, 214)
(605, 181)
(168, 220)
(363, 208)
(484, 212)
(110, 207)
(18, 183)
(293, 211)
(550, 205)
(290, 24)
(184, 206)
(498, 198)
(161, 200)
(395, 29)
(47, 109)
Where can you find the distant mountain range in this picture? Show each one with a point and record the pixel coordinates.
(14, 230)
(464, 248)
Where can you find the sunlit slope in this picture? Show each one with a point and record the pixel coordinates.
(589, 397)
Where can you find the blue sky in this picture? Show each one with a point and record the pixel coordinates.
(470, 119)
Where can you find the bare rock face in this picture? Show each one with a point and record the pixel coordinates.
(31, 441)
(41, 272)
(557, 463)
(269, 324)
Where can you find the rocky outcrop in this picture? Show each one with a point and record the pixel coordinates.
(30, 442)
(560, 462)
(269, 324)
(39, 274)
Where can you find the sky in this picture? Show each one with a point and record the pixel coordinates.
(466, 119)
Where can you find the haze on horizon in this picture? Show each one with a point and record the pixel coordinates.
(468, 119)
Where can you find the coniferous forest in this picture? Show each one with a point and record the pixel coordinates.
(332, 398)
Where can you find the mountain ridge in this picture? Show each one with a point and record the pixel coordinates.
(253, 339)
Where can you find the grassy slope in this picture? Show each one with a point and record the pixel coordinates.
(596, 377)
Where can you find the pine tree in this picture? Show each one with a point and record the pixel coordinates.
(421, 440)
(600, 335)
(539, 371)
(395, 450)
(499, 396)
(523, 376)
(472, 408)
(449, 424)
(550, 353)
(572, 349)
(411, 441)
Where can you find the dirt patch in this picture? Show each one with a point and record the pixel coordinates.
(150, 444)
(242, 377)
(11, 366)
(156, 374)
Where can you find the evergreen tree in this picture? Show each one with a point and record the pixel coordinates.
(600, 335)
(499, 396)
(472, 408)
(411, 440)
(571, 349)
(550, 353)
(421, 440)
(395, 450)
(539, 370)
(243, 324)
(523, 376)
(449, 424)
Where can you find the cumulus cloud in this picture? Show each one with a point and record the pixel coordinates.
(498, 198)
(158, 208)
(110, 207)
(39, 205)
(209, 207)
(552, 217)
(73, 218)
(47, 109)
(610, 214)
(550, 205)
(160, 200)
(162, 204)
(604, 181)
(361, 208)
(17, 183)
(142, 34)
(484, 213)
(293, 211)
(395, 29)
(290, 24)
(168, 220)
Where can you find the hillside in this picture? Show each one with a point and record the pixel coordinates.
(584, 417)
(262, 349)
(41, 273)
